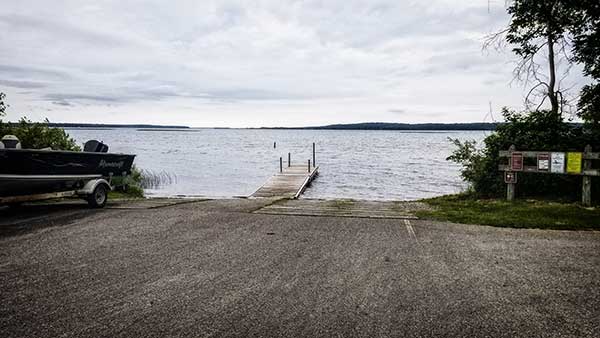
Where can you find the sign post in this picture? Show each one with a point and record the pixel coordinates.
(586, 189)
(515, 163)
(549, 162)
(510, 178)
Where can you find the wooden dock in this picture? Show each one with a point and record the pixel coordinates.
(290, 183)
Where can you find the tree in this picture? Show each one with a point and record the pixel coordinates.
(555, 32)
(540, 29)
(586, 50)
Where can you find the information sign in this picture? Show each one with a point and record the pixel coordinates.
(516, 162)
(543, 162)
(574, 163)
(557, 163)
(510, 177)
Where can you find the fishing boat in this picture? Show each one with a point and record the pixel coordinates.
(41, 171)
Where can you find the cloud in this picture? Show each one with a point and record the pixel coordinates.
(71, 97)
(24, 23)
(21, 84)
(35, 72)
(62, 103)
(238, 63)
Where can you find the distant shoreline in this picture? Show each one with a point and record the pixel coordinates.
(101, 126)
(398, 126)
(353, 126)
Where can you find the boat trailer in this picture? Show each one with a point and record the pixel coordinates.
(94, 191)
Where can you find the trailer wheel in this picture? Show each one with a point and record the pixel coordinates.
(98, 198)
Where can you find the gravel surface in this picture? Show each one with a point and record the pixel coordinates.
(213, 268)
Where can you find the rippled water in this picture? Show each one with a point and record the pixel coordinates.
(375, 165)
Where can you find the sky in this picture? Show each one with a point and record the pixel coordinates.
(205, 63)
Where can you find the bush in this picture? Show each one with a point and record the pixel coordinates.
(540, 130)
(34, 135)
(130, 185)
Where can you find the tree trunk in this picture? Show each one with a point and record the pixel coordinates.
(552, 94)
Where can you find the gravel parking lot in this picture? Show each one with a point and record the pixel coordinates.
(214, 268)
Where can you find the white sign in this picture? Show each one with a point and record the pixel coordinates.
(557, 163)
(543, 161)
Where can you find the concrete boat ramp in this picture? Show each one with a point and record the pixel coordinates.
(343, 208)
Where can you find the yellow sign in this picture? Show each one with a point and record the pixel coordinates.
(574, 163)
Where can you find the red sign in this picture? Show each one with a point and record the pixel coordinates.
(516, 162)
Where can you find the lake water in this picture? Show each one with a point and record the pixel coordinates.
(373, 165)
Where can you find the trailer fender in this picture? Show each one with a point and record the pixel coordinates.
(91, 185)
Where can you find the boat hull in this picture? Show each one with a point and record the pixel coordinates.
(50, 162)
(26, 171)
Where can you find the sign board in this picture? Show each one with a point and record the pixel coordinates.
(543, 162)
(516, 162)
(574, 163)
(557, 163)
(510, 177)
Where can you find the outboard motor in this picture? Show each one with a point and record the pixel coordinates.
(11, 142)
(94, 146)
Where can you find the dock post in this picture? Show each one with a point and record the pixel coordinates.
(586, 190)
(280, 164)
(309, 165)
(289, 160)
(314, 160)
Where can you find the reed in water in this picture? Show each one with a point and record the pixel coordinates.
(156, 179)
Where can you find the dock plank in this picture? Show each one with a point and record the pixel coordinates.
(288, 184)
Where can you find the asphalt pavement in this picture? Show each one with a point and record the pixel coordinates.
(216, 269)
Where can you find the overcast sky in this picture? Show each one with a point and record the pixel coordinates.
(254, 63)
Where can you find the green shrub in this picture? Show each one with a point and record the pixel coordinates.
(540, 130)
(130, 186)
(36, 135)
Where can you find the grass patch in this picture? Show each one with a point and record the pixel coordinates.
(518, 214)
(119, 195)
(342, 204)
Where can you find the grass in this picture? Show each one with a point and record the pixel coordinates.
(342, 204)
(119, 195)
(517, 214)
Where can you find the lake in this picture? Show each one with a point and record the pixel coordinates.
(357, 164)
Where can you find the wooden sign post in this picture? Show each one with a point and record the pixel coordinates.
(570, 163)
(510, 178)
(586, 190)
